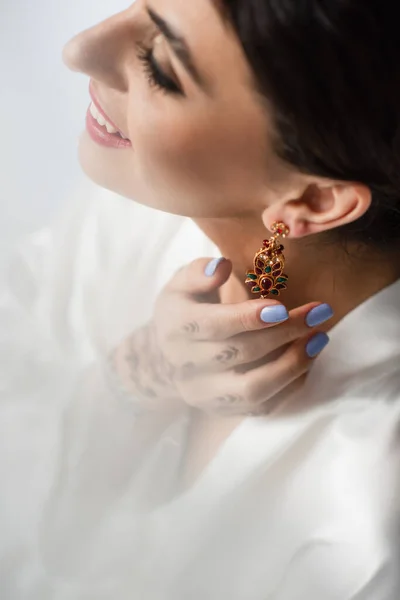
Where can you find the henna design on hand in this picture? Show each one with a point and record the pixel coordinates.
(133, 359)
(185, 371)
(191, 328)
(228, 403)
(227, 355)
(118, 388)
(141, 369)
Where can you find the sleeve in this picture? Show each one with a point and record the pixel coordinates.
(68, 441)
(107, 453)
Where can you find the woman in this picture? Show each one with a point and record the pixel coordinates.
(206, 459)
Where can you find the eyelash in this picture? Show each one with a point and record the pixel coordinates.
(154, 74)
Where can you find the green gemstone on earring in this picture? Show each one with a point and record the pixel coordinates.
(256, 289)
(275, 292)
(267, 269)
(281, 279)
(252, 276)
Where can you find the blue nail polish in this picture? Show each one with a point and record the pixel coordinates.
(317, 344)
(212, 266)
(274, 314)
(319, 315)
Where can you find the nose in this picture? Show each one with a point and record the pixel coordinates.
(102, 52)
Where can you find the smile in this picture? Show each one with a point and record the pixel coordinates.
(100, 127)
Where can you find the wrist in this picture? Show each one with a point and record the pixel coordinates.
(137, 372)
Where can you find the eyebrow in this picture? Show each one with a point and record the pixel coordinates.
(179, 46)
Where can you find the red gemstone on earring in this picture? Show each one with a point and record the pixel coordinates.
(266, 242)
(266, 283)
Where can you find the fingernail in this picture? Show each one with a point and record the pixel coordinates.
(213, 266)
(319, 315)
(317, 344)
(274, 314)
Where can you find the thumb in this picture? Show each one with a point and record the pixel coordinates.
(202, 276)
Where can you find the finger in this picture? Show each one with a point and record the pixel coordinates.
(259, 385)
(240, 394)
(224, 322)
(301, 321)
(242, 350)
(234, 394)
(250, 347)
(201, 277)
(215, 322)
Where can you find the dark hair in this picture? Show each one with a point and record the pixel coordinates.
(331, 70)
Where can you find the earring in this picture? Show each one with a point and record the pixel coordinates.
(267, 276)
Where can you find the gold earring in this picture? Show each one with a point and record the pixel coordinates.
(268, 277)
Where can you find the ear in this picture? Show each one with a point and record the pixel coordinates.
(321, 207)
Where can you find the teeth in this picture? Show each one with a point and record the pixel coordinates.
(101, 120)
(110, 128)
(93, 111)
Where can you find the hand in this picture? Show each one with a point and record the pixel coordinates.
(219, 357)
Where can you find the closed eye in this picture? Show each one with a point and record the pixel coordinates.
(155, 75)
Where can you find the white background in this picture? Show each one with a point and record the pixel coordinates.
(42, 108)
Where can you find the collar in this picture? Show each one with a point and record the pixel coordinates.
(364, 346)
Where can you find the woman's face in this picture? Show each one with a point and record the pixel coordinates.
(172, 77)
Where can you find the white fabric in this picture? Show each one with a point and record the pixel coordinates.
(303, 505)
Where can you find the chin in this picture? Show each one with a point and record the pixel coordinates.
(100, 164)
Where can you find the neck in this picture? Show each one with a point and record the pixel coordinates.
(318, 270)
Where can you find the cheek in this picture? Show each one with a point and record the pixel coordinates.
(165, 140)
(204, 159)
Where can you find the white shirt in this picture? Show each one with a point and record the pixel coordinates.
(302, 504)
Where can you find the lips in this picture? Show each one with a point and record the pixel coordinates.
(101, 128)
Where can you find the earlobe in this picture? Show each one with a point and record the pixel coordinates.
(323, 207)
